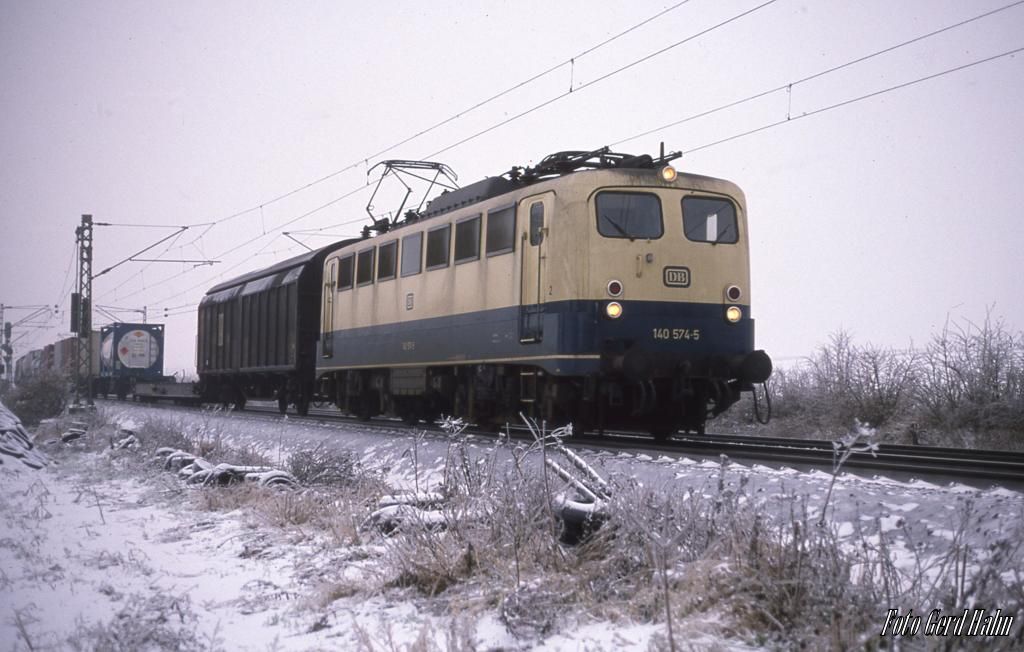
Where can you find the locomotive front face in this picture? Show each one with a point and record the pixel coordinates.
(668, 273)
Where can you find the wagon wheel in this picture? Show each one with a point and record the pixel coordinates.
(409, 410)
(302, 405)
(365, 405)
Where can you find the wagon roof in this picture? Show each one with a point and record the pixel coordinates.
(315, 257)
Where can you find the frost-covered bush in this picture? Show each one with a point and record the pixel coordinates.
(973, 377)
(866, 383)
(844, 383)
(502, 531)
(323, 466)
(41, 397)
(159, 622)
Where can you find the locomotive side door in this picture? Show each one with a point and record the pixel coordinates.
(327, 305)
(534, 217)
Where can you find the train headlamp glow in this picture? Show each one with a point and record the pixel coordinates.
(613, 309)
(733, 314)
(668, 173)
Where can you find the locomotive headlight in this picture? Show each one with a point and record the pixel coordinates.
(733, 314)
(613, 309)
(614, 288)
(669, 174)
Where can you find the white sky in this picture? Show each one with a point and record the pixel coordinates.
(883, 217)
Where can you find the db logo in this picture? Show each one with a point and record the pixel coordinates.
(677, 277)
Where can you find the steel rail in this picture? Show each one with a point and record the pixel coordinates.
(1003, 466)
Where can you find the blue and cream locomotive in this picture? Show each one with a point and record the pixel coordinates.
(598, 288)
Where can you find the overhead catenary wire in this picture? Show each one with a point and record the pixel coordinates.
(603, 77)
(830, 107)
(789, 85)
(820, 110)
(226, 252)
(626, 67)
(146, 266)
(491, 128)
(364, 160)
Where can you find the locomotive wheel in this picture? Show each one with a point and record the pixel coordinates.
(409, 418)
(662, 432)
(408, 410)
(365, 406)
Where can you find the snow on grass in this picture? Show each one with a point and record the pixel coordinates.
(80, 553)
(84, 556)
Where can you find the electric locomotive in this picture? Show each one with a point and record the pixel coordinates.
(600, 288)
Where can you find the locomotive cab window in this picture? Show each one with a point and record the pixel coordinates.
(387, 261)
(501, 230)
(364, 267)
(536, 224)
(467, 239)
(345, 273)
(632, 215)
(412, 254)
(710, 219)
(438, 242)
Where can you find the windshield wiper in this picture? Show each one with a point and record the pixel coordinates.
(618, 227)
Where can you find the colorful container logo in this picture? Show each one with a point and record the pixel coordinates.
(138, 350)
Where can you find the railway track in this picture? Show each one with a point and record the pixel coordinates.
(930, 460)
(999, 466)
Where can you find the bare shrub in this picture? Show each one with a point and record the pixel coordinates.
(863, 383)
(495, 525)
(432, 558)
(229, 497)
(156, 622)
(163, 433)
(779, 575)
(793, 393)
(973, 378)
(300, 508)
(41, 397)
(322, 466)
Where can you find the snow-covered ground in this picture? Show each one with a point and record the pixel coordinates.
(91, 558)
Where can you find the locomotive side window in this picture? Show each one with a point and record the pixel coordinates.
(438, 242)
(345, 273)
(536, 224)
(412, 254)
(632, 215)
(467, 239)
(501, 230)
(364, 267)
(387, 261)
(709, 219)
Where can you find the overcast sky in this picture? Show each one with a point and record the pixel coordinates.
(883, 216)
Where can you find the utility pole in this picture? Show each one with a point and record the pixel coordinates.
(81, 312)
(81, 301)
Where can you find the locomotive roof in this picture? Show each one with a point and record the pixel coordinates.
(315, 256)
(550, 167)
